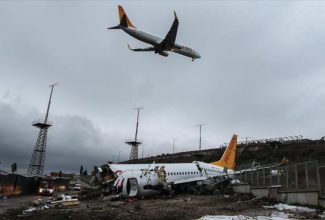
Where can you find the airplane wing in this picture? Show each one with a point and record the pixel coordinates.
(142, 49)
(189, 180)
(170, 38)
(217, 178)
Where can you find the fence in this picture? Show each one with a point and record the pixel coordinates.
(306, 176)
(322, 180)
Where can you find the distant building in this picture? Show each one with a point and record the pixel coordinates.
(70, 176)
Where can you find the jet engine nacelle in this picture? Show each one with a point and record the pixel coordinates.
(163, 53)
(138, 184)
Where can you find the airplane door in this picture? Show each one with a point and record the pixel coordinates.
(132, 187)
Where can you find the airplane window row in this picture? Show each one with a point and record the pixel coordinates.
(189, 173)
(182, 173)
(211, 170)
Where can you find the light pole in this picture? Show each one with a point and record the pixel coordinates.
(246, 138)
(142, 150)
(174, 139)
(200, 142)
(118, 158)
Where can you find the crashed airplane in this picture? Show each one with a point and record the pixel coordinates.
(144, 180)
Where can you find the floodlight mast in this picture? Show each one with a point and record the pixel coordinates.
(137, 126)
(48, 106)
(135, 143)
(36, 166)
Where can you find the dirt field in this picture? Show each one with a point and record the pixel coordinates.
(178, 207)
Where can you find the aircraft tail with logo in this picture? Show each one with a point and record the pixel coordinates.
(228, 159)
(124, 19)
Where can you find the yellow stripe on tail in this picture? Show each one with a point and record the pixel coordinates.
(229, 156)
(124, 20)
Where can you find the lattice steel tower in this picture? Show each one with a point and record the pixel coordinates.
(36, 166)
(135, 143)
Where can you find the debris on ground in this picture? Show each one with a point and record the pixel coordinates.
(62, 200)
(65, 200)
(160, 207)
(281, 207)
(241, 217)
(112, 197)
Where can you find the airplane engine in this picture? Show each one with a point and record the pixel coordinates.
(163, 53)
(138, 184)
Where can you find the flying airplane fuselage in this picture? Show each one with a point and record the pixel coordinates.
(159, 45)
(155, 41)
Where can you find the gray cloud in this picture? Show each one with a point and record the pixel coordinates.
(72, 141)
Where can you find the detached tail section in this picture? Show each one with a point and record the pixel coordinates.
(229, 156)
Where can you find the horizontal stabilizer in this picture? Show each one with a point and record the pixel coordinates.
(115, 27)
(142, 49)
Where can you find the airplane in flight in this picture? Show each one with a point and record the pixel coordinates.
(159, 45)
(143, 180)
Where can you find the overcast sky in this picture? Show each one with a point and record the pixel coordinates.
(261, 75)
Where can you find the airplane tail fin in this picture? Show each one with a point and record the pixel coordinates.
(228, 158)
(124, 20)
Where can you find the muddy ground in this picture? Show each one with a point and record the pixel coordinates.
(177, 207)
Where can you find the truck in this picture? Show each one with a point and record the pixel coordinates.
(46, 187)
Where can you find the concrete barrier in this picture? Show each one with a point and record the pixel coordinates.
(260, 192)
(242, 188)
(274, 191)
(321, 202)
(304, 198)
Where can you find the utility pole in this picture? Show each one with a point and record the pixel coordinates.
(246, 138)
(174, 139)
(142, 150)
(118, 158)
(200, 142)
